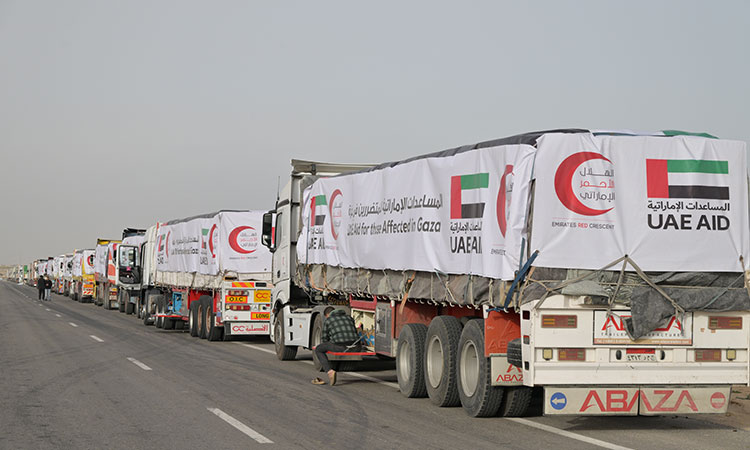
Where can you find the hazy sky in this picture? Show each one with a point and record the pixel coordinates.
(122, 113)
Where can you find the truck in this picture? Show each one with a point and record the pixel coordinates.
(562, 260)
(104, 273)
(68, 275)
(128, 271)
(210, 274)
(83, 281)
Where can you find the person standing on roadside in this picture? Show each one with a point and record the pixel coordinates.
(47, 287)
(40, 287)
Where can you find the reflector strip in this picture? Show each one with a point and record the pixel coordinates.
(708, 355)
(640, 351)
(557, 321)
(243, 284)
(571, 354)
(724, 323)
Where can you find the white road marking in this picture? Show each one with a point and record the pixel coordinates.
(139, 364)
(73, 325)
(95, 338)
(568, 434)
(240, 426)
(255, 347)
(58, 315)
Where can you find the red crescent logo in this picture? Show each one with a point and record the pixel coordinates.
(211, 241)
(335, 194)
(564, 183)
(500, 208)
(233, 240)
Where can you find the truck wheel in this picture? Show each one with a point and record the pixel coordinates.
(159, 322)
(514, 353)
(515, 401)
(316, 336)
(441, 345)
(129, 307)
(192, 320)
(168, 324)
(106, 303)
(409, 360)
(474, 378)
(283, 352)
(203, 316)
(179, 324)
(213, 332)
(146, 318)
(120, 301)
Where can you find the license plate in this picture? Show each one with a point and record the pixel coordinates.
(260, 316)
(640, 357)
(236, 298)
(248, 328)
(262, 296)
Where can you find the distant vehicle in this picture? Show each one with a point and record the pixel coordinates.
(563, 259)
(209, 273)
(104, 273)
(82, 275)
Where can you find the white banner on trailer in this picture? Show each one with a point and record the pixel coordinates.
(661, 201)
(241, 249)
(100, 259)
(460, 214)
(228, 241)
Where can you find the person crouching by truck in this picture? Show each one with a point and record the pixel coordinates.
(40, 287)
(339, 332)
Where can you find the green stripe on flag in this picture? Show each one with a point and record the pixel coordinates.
(687, 133)
(697, 165)
(475, 181)
(320, 200)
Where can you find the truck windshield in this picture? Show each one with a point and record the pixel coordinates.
(128, 257)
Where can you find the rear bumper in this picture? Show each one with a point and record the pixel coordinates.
(648, 400)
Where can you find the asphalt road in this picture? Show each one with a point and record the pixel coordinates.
(76, 376)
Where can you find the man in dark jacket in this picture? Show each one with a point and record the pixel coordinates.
(47, 288)
(339, 332)
(40, 286)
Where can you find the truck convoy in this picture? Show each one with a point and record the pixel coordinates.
(212, 273)
(564, 260)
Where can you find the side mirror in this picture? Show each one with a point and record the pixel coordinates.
(268, 229)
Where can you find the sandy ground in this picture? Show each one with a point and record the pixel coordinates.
(738, 415)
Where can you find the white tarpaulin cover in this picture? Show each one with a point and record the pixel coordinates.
(226, 241)
(459, 214)
(77, 264)
(134, 241)
(670, 204)
(88, 262)
(100, 259)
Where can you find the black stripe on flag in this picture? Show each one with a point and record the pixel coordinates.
(320, 220)
(472, 210)
(706, 192)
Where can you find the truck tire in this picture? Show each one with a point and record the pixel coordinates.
(316, 336)
(409, 360)
(203, 316)
(159, 321)
(213, 332)
(179, 324)
(441, 347)
(283, 352)
(478, 397)
(120, 301)
(146, 318)
(129, 307)
(106, 303)
(514, 353)
(516, 401)
(192, 320)
(168, 324)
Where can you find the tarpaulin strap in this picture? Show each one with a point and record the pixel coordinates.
(407, 286)
(445, 284)
(678, 309)
(575, 280)
(726, 289)
(617, 289)
(519, 278)
(523, 288)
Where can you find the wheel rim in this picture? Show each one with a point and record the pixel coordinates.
(434, 361)
(191, 319)
(404, 361)
(469, 368)
(278, 337)
(200, 318)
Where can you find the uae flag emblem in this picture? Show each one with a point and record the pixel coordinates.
(318, 207)
(465, 193)
(687, 178)
(161, 243)
(204, 235)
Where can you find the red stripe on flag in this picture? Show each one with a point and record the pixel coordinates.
(456, 197)
(312, 212)
(656, 178)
